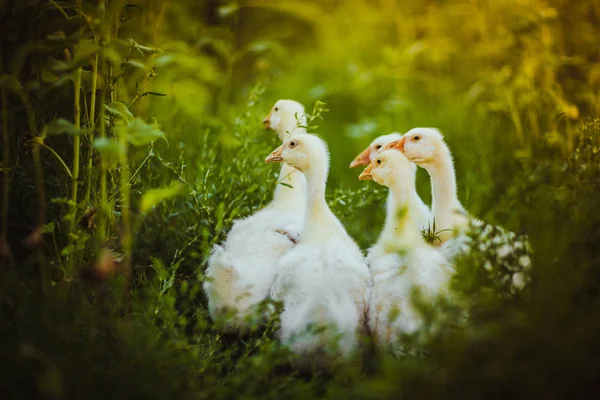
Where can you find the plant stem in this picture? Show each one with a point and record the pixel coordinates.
(39, 184)
(124, 178)
(103, 208)
(36, 154)
(103, 214)
(58, 158)
(74, 180)
(516, 119)
(6, 165)
(39, 176)
(126, 242)
(92, 126)
(59, 8)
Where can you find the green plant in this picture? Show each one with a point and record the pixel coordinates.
(430, 234)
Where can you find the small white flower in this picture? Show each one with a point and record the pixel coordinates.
(497, 240)
(464, 239)
(518, 245)
(504, 251)
(518, 281)
(487, 266)
(487, 230)
(511, 235)
(476, 223)
(525, 261)
(482, 246)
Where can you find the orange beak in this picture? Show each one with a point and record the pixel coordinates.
(267, 121)
(361, 159)
(275, 156)
(366, 174)
(398, 145)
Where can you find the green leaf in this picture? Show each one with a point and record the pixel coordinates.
(48, 228)
(260, 46)
(83, 51)
(154, 197)
(159, 267)
(133, 6)
(135, 64)
(144, 50)
(119, 109)
(60, 126)
(62, 200)
(70, 249)
(110, 150)
(140, 133)
(56, 65)
(152, 94)
(225, 11)
(9, 82)
(111, 52)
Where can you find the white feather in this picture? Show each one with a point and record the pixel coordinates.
(323, 281)
(241, 271)
(401, 262)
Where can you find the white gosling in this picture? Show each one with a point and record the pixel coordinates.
(460, 232)
(241, 271)
(405, 262)
(288, 118)
(419, 212)
(426, 147)
(323, 281)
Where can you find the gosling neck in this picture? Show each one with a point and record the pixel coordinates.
(318, 215)
(290, 191)
(399, 224)
(443, 188)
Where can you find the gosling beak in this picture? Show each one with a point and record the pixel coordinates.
(267, 121)
(275, 156)
(366, 174)
(361, 159)
(398, 145)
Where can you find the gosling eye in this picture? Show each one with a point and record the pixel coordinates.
(293, 144)
(378, 161)
(378, 146)
(416, 138)
(276, 108)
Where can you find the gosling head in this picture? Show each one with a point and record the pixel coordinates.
(284, 118)
(422, 146)
(376, 146)
(390, 167)
(303, 151)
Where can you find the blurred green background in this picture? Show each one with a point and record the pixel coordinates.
(171, 98)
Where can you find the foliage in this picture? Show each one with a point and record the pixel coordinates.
(131, 141)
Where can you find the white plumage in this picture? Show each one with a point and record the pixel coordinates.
(426, 147)
(459, 232)
(404, 262)
(241, 271)
(322, 281)
(419, 211)
(395, 277)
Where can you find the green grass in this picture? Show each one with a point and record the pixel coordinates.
(172, 152)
